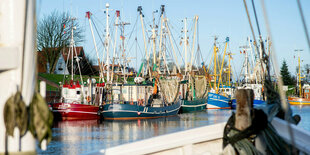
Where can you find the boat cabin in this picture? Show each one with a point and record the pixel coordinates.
(227, 91)
(306, 91)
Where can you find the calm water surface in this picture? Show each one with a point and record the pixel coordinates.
(80, 137)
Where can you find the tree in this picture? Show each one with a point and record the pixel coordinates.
(287, 78)
(53, 34)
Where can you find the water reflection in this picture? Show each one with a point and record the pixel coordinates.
(304, 112)
(78, 137)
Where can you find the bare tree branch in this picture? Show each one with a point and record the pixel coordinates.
(53, 34)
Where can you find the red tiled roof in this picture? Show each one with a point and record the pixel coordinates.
(79, 51)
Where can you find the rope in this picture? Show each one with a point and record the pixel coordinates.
(284, 105)
(242, 141)
(252, 30)
(303, 22)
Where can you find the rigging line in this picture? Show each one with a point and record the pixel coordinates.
(198, 46)
(304, 23)
(207, 58)
(175, 44)
(95, 18)
(258, 28)
(255, 15)
(235, 71)
(142, 54)
(99, 35)
(251, 26)
(252, 30)
(284, 103)
(133, 29)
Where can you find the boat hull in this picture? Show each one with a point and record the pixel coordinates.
(72, 111)
(191, 106)
(128, 111)
(298, 101)
(216, 101)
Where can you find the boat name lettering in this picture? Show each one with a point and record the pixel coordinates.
(64, 106)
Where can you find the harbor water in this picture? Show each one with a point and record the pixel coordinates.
(81, 137)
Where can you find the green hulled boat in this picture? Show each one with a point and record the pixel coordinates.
(196, 105)
(194, 94)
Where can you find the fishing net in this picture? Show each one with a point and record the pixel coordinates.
(200, 87)
(169, 89)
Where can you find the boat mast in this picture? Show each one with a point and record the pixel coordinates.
(299, 72)
(223, 59)
(145, 47)
(215, 49)
(185, 44)
(73, 50)
(229, 67)
(107, 41)
(194, 37)
(154, 41)
(123, 48)
(72, 47)
(114, 48)
(161, 35)
(162, 52)
(299, 80)
(88, 15)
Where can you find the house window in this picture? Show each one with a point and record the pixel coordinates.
(78, 92)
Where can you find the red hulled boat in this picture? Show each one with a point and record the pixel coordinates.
(78, 102)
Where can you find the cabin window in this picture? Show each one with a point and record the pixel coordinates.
(307, 91)
(78, 92)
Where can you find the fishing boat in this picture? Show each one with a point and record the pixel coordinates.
(73, 106)
(243, 134)
(194, 87)
(304, 91)
(217, 99)
(77, 102)
(253, 71)
(193, 95)
(142, 99)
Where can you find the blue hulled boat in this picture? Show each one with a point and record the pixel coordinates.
(217, 101)
(141, 101)
(135, 111)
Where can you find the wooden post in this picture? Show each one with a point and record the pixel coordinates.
(245, 98)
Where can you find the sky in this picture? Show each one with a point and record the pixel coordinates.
(221, 18)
